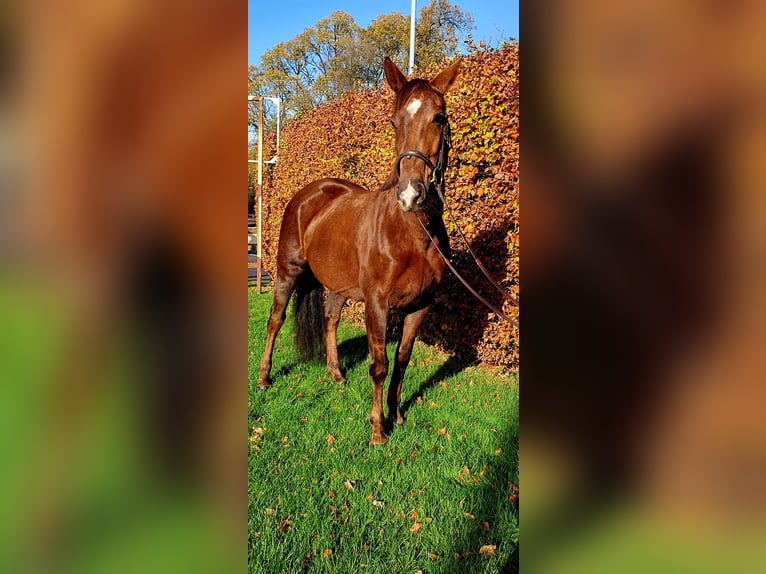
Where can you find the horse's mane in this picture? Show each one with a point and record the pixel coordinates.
(390, 182)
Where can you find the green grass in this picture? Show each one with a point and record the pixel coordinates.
(322, 500)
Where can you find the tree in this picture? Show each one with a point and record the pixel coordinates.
(388, 35)
(437, 31)
(337, 56)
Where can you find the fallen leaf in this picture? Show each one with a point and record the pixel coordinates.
(284, 526)
(469, 516)
(432, 556)
(349, 484)
(416, 527)
(331, 494)
(329, 439)
(269, 512)
(513, 498)
(368, 497)
(498, 452)
(486, 526)
(419, 400)
(414, 516)
(487, 550)
(327, 552)
(378, 503)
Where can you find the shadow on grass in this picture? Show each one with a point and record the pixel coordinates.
(352, 352)
(492, 496)
(452, 366)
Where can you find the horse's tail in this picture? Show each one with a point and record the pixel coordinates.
(309, 316)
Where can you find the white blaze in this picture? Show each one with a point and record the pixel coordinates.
(414, 106)
(408, 197)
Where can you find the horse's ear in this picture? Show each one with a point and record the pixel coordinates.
(394, 77)
(447, 76)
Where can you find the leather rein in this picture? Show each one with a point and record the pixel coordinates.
(437, 180)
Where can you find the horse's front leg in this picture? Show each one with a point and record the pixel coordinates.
(410, 326)
(376, 316)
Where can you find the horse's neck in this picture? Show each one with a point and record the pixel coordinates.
(433, 209)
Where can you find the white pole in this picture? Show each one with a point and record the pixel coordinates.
(277, 102)
(412, 38)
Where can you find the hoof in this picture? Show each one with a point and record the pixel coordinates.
(378, 440)
(337, 378)
(394, 418)
(262, 385)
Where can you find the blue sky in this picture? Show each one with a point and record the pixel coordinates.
(270, 23)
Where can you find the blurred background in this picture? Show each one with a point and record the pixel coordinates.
(643, 443)
(122, 294)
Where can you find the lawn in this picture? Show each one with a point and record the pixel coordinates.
(440, 497)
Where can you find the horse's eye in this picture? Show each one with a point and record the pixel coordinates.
(440, 119)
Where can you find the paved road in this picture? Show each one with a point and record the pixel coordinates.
(252, 272)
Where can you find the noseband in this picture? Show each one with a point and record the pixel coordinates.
(437, 171)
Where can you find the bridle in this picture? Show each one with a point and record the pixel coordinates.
(437, 171)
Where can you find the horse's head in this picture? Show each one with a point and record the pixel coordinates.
(422, 132)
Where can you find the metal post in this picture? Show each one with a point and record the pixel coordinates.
(259, 222)
(412, 38)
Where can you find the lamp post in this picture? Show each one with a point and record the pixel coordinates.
(412, 38)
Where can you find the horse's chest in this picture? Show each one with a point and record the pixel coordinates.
(418, 279)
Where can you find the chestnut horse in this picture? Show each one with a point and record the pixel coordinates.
(370, 246)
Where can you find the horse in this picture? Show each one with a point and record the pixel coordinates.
(340, 241)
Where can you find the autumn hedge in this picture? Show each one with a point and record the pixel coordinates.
(352, 138)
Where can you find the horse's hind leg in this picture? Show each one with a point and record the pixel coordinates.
(333, 306)
(283, 288)
(412, 322)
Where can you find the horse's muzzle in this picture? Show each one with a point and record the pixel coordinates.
(412, 195)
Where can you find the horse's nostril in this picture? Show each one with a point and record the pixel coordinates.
(411, 194)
